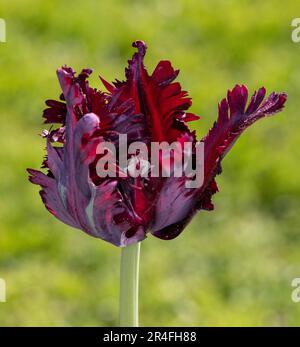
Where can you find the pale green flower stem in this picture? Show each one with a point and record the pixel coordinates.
(129, 285)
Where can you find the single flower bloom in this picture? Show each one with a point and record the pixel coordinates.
(147, 108)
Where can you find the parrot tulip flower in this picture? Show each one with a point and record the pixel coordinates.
(146, 108)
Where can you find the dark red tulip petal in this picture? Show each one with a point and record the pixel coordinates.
(56, 112)
(51, 198)
(155, 96)
(68, 191)
(177, 204)
(163, 104)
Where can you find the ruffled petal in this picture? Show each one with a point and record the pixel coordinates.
(177, 204)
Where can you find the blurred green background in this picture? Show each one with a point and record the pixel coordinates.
(233, 266)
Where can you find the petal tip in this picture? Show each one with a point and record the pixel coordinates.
(141, 46)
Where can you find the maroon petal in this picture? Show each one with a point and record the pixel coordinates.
(51, 197)
(177, 204)
(161, 101)
(68, 191)
(162, 105)
(56, 112)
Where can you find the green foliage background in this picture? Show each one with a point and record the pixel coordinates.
(233, 266)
